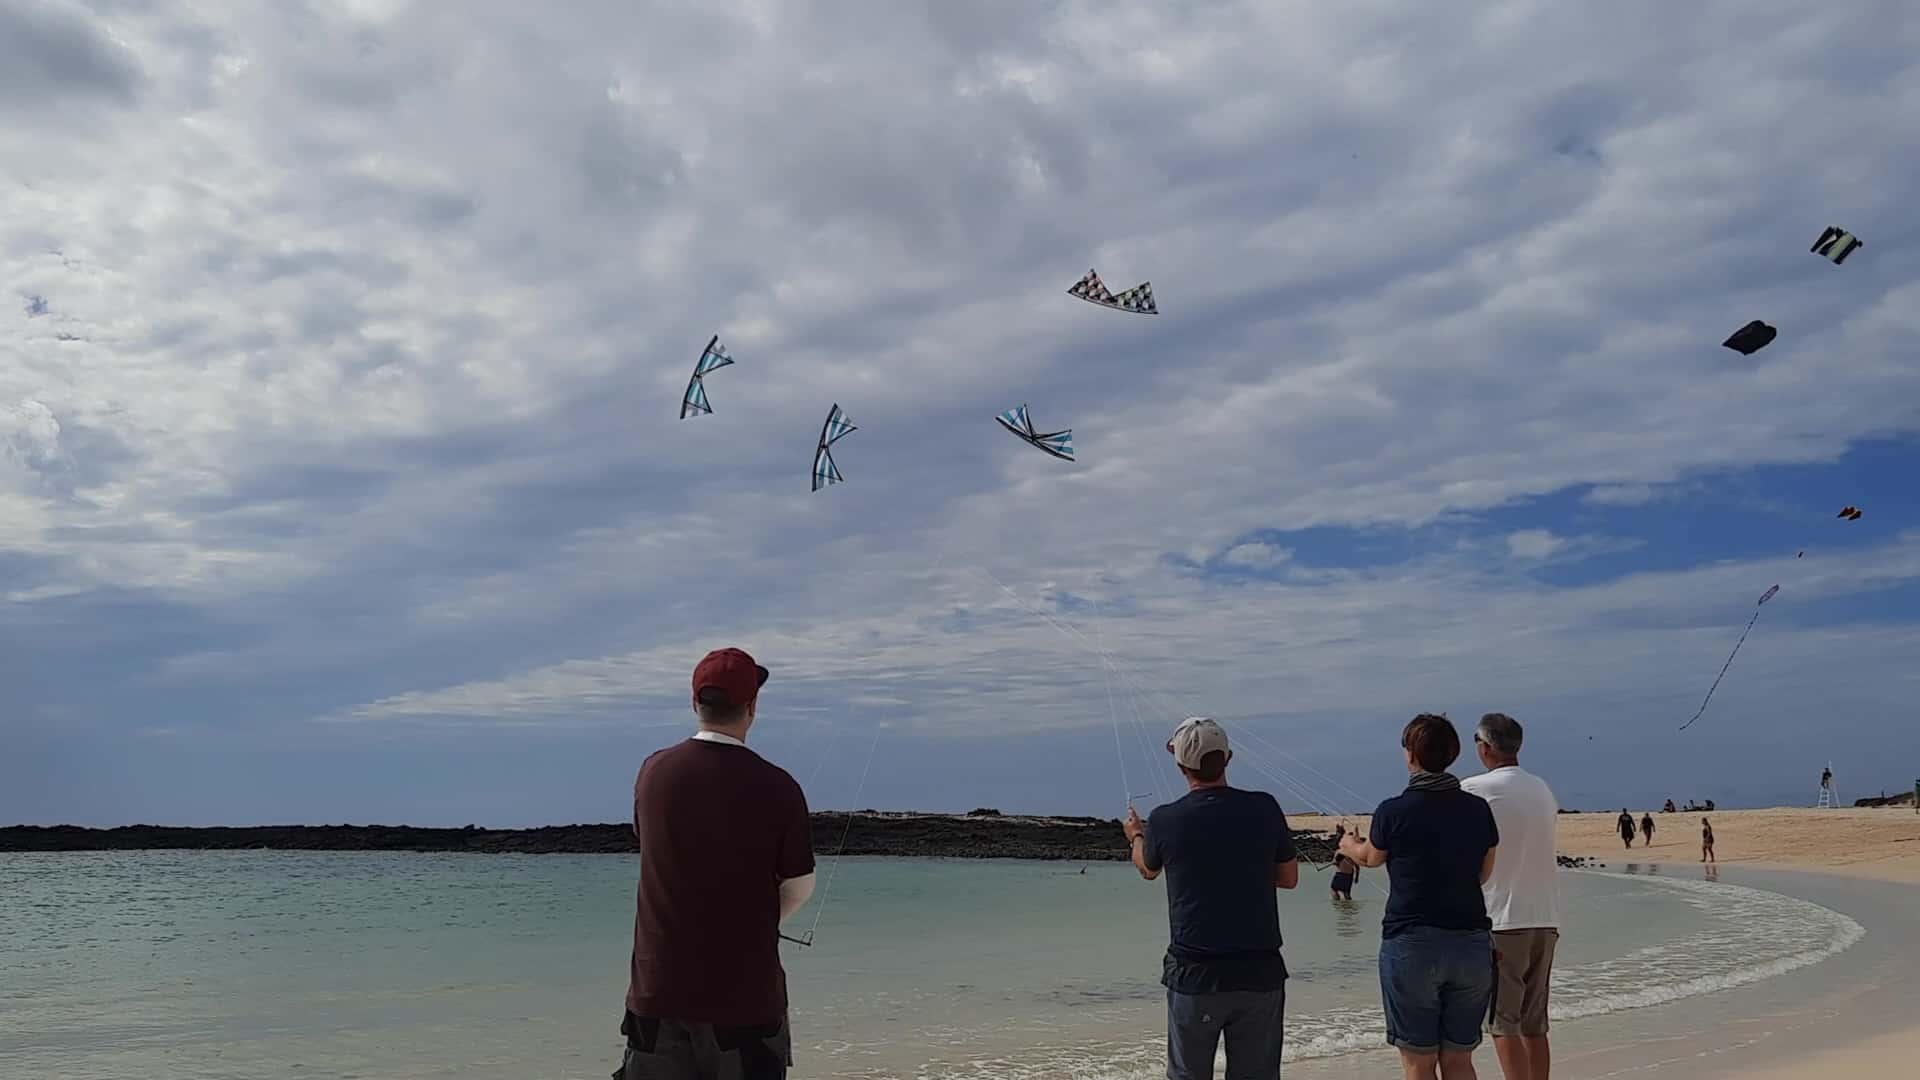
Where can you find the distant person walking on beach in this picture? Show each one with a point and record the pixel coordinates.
(1625, 825)
(1646, 830)
(1706, 841)
(726, 854)
(1523, 898)
(1345, 872)
(1224, 850)
(1437, 843)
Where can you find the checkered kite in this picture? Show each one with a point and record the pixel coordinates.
(712, 357)
(825, 472)
(1057, 443)
(1138, 299)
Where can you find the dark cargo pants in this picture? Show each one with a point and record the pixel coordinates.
(1250, 1020)
(660, 1049)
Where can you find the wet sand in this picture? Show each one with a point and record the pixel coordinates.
(1849, 1016)
(1879, 845)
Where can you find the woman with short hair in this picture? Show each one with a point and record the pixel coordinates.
(1436, 953)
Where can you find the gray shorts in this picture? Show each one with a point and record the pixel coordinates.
(659, 1049)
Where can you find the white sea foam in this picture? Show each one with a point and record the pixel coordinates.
(1753, 935)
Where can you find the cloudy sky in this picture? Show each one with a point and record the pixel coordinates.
(341, 477)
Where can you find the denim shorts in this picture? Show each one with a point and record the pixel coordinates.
(1436, 986)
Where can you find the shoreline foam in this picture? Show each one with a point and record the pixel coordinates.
(1878, 847)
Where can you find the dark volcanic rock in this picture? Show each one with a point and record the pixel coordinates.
(1078, 839)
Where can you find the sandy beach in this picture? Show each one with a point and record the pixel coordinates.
(1880, 845)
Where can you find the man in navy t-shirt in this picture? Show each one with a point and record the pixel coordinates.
(1224, 851)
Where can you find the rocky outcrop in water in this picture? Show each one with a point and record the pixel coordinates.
(973, 836)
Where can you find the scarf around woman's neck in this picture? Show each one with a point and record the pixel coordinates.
(1433, 781)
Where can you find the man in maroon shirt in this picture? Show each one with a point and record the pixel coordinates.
(726, 854)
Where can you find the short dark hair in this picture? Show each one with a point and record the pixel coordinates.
(713, 707)
(1502, 733)
(1433, 741)
(1213, 766)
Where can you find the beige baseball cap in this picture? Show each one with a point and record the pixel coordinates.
(1194, 739)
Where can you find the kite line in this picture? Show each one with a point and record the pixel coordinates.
(1256, 750)
(826, 890)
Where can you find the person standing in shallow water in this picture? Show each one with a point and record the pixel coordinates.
(1706, 841)
(1345, 872)
(726, 855)
(1625, 825)
(1436, 953)
(1224, 851)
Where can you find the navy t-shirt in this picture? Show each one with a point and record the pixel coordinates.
(1219, 847)
(1435, 843)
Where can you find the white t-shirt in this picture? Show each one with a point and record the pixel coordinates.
(1524, 891)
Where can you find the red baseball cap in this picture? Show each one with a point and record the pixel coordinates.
(728, 677)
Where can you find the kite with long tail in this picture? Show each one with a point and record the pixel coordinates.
(1764, 597)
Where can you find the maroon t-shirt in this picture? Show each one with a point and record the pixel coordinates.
(719, 827)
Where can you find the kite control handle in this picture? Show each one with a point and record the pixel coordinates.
(806, 942)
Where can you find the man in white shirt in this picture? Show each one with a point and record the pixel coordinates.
(1523, 898)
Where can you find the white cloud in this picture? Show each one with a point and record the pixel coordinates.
(1534, 544)
(1254, 555)
(365, 331)
(1625, 494)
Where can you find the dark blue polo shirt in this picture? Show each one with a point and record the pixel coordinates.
(1219, 847)
(1435, 842)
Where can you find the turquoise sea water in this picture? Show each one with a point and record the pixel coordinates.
(207, 965)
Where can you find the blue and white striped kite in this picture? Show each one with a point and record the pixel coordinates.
(1057, 443)
(824, 470)
(712, 357)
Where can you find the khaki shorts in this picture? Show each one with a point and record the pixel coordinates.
(1522, 969)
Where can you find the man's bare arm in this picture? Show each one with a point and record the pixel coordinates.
(794, 893)
(1286, 875)
(1140, 860)
(1136, 831)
